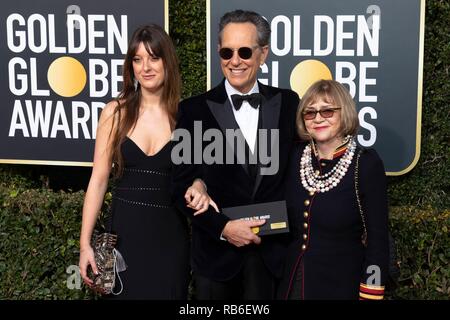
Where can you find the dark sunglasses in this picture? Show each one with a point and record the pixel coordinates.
(243, 52)
(324, 113)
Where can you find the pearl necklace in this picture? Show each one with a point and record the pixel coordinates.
(313, 181)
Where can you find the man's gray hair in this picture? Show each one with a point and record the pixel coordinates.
(241, 16)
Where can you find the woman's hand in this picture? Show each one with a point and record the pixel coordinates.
(198, 199)
(87, 259)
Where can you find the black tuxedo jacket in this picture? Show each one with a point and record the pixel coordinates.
(230, 184)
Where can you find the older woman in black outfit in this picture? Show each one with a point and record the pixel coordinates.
(337, 202)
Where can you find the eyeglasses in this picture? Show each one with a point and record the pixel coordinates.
(243, 52)
(324, 113)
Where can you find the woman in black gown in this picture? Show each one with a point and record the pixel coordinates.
(328, 259)
(134, 134)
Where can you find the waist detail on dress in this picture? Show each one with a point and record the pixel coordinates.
(140, 203)
(144, 187)
(139, 188)
(161, 173)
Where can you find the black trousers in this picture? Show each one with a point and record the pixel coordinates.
(253, 282)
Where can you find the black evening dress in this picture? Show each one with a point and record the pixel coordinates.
(152, 235)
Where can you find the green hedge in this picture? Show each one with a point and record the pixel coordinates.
(39, 228)
(38, 243)
(187, 23)
(423, 241)
(428, 183)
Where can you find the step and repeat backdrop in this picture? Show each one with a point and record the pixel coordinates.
(373, 47)
(61, 61)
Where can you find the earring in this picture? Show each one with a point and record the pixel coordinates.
(136, 84)
(346, 139)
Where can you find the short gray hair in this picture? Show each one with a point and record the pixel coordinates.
(241, 16)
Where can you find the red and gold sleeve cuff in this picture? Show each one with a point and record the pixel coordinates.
(370, 292)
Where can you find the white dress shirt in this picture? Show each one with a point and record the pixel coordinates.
(247, 116)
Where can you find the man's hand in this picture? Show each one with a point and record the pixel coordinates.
(239, 232)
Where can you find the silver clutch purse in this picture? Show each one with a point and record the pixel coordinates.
(109, 263)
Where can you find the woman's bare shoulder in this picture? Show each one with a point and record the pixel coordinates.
(111, 107)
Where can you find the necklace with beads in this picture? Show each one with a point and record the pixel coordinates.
(314, 181)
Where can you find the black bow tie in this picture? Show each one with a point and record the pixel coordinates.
(253, 99)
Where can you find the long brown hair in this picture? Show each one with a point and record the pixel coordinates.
(159, 44)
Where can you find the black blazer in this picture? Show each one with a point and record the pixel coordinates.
(333, 261)
(230, 184)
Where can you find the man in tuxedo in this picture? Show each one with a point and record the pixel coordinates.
(229, 261)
